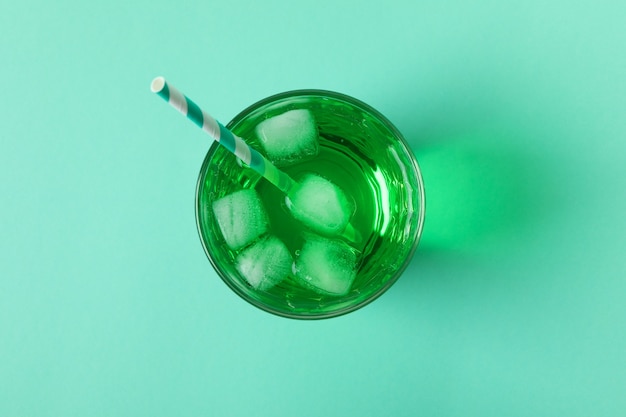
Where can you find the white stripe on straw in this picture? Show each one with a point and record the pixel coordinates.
(210, 125)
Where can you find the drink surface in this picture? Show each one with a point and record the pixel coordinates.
(359, 152)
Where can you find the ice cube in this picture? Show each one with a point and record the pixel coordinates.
(265, 263)
(289, 137)
(320, 205)
(327, 266)
(241, 217)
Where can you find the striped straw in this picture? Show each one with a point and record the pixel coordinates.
(222, 135)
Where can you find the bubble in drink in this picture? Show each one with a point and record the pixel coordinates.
(265, 263)
(241, 217)
(320, 205)
(327, 266)
(289, 137)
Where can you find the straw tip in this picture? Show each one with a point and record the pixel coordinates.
(157, 84)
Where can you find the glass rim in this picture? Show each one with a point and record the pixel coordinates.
(420, 213)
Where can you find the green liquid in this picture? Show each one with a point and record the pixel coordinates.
(360, 152)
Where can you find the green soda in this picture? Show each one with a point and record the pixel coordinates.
(359, 151)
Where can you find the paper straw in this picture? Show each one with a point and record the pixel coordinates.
(225, 137)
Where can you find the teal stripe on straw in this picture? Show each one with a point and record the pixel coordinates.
(257, 162)
(226, 138)
(165, 92)
(194, 113)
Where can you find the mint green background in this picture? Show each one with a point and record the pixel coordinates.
(513, 305)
